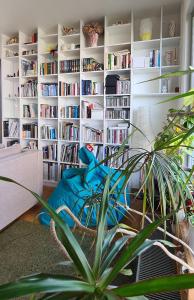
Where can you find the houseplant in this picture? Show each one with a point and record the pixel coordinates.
(94, 282)
(92, 32)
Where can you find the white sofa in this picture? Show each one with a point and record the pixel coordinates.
(26, 168)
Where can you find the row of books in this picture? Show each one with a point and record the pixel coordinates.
(48, 68)
(29, 67)
(117, 113)
(50, 171)
(49, 89)
(69, 89)
(119, 60)
(90, 87)
(117, 134)
(121, 161)
(70, 66)
(118, 101)
(48, 111)
(69, 153)
(92, 134)
(29, 88)
(30, 110)
(69, 131)
(123, 87)
(152, 59)
(90, 64)
(98, 152)
(11, 128)
(30, 131)
(50, 152)
(70, 111)
(48, 132)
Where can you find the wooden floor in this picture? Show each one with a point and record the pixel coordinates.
(32, 214)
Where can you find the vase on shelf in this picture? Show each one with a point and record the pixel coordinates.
(145, 29)
(172, 28)
(92, 39)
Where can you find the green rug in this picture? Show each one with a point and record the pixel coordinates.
(27, 248)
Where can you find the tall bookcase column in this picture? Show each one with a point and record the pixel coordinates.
(48, 101)
(69, 95)
(10, 89)
(118, 95)
(170, 43)
(28, 81)
(92, 85)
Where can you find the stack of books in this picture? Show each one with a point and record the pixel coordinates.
(90, 64)
(119, 101)
(48, 111)
(69, 131)
(70, 66)
(50, 171)
(30, 110)
(70, 111)
(117, 134)
(50, 152)
(90, 87)
(92, 135)
(123, 87)
(69, 153)
(30, 131)
(48, 132)
(49, 89)
(48, 68)
(69, 89)
(29, 89)
(121, 161)
(117, 113)
(119, 60)
(32, 145)
(11, 128)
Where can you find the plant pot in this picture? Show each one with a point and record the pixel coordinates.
(92, 39)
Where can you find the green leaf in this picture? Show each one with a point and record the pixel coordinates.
(156, 285)
(69, 241)
(126, 272)
(136, 298)
(44, 283)
(179, 96)
(171, 75)
(125, 257)
(101, 227)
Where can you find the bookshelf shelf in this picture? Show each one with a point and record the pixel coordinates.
(93, 114)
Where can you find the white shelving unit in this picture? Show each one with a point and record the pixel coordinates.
(140, 100)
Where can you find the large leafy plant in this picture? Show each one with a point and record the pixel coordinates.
(96, 281)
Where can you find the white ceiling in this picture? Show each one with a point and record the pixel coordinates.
(27, 14)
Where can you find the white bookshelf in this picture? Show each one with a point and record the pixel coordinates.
(115, 38)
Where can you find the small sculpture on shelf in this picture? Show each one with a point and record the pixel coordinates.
(92, 32)
(69, 30)
(12, 40)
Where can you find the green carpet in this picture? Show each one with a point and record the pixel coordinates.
(27, 248)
